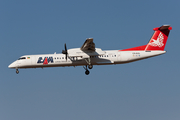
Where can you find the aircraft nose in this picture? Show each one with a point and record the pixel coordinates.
(12, 65)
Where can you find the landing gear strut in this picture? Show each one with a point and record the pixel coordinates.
(87, 71)
(88, 60)
(17, 71)
(90, 66)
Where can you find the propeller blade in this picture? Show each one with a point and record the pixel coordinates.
(65, 47)
(66, 57)
(65, 51)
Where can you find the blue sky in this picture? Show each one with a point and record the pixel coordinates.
(143, 90)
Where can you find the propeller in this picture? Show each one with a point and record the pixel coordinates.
(65, 51)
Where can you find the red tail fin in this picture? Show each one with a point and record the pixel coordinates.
(157, 41)
(159, 38)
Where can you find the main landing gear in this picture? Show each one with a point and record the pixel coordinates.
(87, 71)
(17, 71)
(90, 66)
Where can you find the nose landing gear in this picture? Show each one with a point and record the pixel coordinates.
(17, 71)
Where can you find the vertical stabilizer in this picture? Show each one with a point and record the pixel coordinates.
(159, 38)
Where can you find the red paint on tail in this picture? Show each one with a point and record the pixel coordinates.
(139, 48)
(159, 38)
(157, 41)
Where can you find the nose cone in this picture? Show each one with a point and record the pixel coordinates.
(12, 65)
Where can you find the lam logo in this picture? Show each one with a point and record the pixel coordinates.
(46, 60)
(158, 42)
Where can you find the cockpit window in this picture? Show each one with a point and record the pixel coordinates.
(22, 58)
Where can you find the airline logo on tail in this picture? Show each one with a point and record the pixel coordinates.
(158, 42)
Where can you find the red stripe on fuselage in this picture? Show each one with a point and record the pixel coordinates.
(139, 48)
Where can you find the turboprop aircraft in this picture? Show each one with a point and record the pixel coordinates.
(88, 55)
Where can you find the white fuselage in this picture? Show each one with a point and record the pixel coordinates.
(77, 57)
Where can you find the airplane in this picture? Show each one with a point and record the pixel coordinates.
(88, 56)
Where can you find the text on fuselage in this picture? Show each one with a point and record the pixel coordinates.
(49, 59)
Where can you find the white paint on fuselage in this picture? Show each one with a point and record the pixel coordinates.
(97, 58)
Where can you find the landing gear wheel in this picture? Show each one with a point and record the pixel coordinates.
(17, 71)
(87, 72)
(90, 66)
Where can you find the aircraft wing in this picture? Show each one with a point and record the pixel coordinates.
(88, 49)
(88, 45)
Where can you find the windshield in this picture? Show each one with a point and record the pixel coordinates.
(21, 58)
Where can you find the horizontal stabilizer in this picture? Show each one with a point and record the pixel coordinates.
(164, 27)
